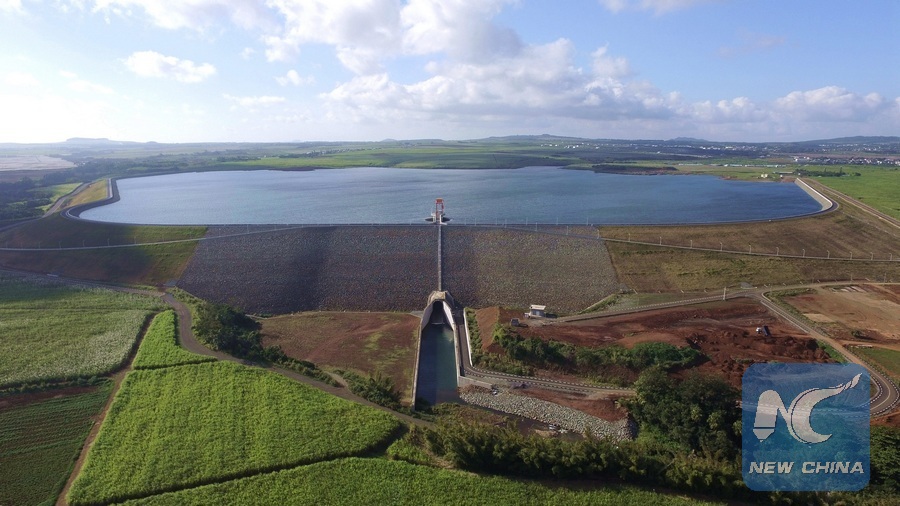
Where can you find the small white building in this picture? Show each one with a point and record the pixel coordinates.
(536, 311)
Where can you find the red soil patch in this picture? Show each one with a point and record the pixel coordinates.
(724, 331)
(369, 343)
(892, 420)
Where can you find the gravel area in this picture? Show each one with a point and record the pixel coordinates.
(548, 412)
(333, 268)
(516, 268)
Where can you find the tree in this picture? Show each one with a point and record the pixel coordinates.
(699, 413)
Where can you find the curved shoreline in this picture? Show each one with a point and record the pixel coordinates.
(113, 195)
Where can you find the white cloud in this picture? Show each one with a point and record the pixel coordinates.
(737, 110)
(362, 31)
(53, 118)
(83, 86)
(831, 103)
(541, 80)
(461, 28)
(191, 14)
(609, 66)
(153, 64)
(254, 102)
(247, 53)
(11, 6)
(294, 78)
(20, 80)
(657, 6)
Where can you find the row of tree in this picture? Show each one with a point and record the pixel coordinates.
(690, 440)
(224, 328)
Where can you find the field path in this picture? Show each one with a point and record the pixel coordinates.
(98, 420)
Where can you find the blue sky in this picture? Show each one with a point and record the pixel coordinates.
(298, 70)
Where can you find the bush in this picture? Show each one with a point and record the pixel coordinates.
(698, 414)
(226, 329)
(379, 389)
(588, 361)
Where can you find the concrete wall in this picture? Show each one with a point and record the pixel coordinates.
(823, 201)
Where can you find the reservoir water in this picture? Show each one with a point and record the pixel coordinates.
(546, 195)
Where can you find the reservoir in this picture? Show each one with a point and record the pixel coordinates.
(368, 195)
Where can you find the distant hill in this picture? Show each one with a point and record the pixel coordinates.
(86, 141)
(861, 140)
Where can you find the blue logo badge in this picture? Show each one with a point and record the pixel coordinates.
(805, 427)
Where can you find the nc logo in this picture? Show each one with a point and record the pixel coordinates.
(797, 414)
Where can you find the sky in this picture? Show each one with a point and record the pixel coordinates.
(369, 70)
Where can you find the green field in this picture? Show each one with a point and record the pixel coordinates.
(378, 481)
(887, 360)
(185, 426)
(40, 441)
(877, 187)
(159, 348)
(58, 191)
(52, 332)
(422, 155)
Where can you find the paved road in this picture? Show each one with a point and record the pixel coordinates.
(886, 396)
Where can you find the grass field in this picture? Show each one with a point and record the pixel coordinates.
(147, 265)
(39, 442)
(379, 481)
(185, 426)
(159, 348)
(651, 268)
(846, 233)
(95, 191)
(888, 360)
(424, 155)
(839, 234)
(877, 187)
(57, 192)
(55, 332)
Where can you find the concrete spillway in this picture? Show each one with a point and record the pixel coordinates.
(437, 364)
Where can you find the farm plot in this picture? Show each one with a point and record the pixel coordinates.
(40, 438)
(861, 313)
(378, 481)
(185, 426)
(53, 332)
(159, 348)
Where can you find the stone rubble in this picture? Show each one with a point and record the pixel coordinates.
(550, 413)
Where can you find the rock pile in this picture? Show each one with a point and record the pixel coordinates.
(548, 412)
